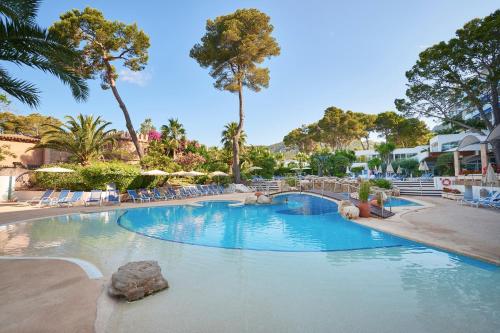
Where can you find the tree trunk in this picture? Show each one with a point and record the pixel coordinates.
(128, 121)
(236, 139)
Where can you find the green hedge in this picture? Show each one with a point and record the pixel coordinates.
(97, 176)
(382, 183)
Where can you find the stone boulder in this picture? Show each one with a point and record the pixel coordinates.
(251, 200)
(348, 210)
(136, 280)
(264, 199)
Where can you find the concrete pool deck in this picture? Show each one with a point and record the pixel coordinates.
(440, 223)
(47, 295)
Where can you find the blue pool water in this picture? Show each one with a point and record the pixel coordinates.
(294, 222)
(399, 202)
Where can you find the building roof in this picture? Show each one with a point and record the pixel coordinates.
(18, 138)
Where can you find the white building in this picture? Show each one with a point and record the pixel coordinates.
(397, 154)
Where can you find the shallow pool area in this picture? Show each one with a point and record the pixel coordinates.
(403, 288)
(294, 222)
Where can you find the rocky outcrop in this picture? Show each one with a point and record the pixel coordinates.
(251, 200)
(348, 210)
(260, 199)
(264, 199)
(136, 280)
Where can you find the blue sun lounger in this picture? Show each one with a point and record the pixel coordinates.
(76, 197)
(136, 197)
(62, 197)
(94, 198)
(113, 197)
(157, 194)
(44, 199)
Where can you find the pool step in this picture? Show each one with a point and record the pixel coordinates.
(417, 188)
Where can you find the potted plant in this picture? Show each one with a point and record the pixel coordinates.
(363, 194)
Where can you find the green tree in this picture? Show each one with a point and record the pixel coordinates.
(85, 138)
(228, 135)
(103, 43)
(262, 157)
(460, 74)
(444, 165)
(172, 134)
(147, 126)
(33, 124)
(368, 125)
(232, 48)
(403, 132)
(339, 128)
(385, 150)
(24, 43)
(302, 138)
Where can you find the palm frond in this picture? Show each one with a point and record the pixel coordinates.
(22, 90)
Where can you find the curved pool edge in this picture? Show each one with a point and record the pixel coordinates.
(90, 269)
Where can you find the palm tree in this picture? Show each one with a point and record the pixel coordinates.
(228, 134)
(24, 43)
(173, 133)
(85, 138)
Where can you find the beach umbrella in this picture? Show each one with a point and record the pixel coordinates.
(154, 173)
(54, 170)
(179, 173)
(399, 171)
(218, 174)
(423, 166)
(389, 168)
(490, 176)
(194, 174)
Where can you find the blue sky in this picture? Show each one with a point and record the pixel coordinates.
(349, 54)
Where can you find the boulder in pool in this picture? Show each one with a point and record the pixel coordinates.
(251, 200)
(348, 210)
(264, 199)
(136, 280)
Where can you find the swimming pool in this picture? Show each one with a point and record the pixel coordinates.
(404, 288)
(294, 222)
(399, 202)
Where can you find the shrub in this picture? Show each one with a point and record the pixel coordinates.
(97, 176)
(382, 183)
(364, 191)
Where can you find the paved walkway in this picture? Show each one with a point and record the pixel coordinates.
(445, 224)
(46, 296)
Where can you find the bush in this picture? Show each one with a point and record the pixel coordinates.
(444, 165)
(364, 191)
(97, 176)
(382, 183)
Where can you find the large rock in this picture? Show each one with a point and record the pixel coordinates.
(263, 199)
(251, 200)
(136, 280)
(342, 204)
(348, 210)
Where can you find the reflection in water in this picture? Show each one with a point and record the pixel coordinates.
(400, 289)
(292, 223)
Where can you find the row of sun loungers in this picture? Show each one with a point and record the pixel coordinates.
(491, 200)
(68, 198)
(98, 197)
(170, 194)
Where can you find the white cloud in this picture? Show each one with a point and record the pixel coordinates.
(139, 78)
